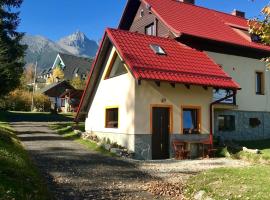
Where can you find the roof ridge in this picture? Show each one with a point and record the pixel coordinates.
(144, 35)
(211, 10)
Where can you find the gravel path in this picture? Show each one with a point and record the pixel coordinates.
(73, 172)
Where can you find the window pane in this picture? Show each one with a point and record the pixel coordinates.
(117, 69)
(112, 118)
(258, 83)
(226, 123)
(150, 29)
(190, 120)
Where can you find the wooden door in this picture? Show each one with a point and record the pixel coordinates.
(160, 132)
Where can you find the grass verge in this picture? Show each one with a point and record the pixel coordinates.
(65, 129)
(19, 178)
(232, 183)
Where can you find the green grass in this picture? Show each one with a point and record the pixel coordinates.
(66, 130)
(232, 183)
(19, 178)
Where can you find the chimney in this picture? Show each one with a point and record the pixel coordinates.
(187, 1)
(238, 13)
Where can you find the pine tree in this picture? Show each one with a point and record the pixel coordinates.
(11, 51)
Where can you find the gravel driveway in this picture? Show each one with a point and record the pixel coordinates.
(73, 172)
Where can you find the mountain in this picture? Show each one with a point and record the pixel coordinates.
(44, 50)
(79, 44)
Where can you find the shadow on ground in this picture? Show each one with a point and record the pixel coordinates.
(37, 117)
(73, 172)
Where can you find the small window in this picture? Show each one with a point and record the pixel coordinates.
(226, 123)
(157, 49)
(191, 124)
(254, 122)
(141, 13)
(150, 29)
(63, 102)
(116, 69)
(111, 118)
(259, 83)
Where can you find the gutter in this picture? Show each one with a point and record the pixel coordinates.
(211, 113)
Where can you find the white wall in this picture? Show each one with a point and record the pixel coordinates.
(148, 93)
(115, 92)
(242, 70)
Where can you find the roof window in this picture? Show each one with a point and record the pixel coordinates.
(157, 49)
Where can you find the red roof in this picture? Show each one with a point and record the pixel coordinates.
(181, 64)
(184, 18)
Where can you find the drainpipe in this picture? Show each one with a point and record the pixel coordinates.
(211, 112)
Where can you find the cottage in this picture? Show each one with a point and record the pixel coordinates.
(177, 70)
(72, 66)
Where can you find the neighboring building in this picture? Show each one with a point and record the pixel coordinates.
(72, 66)
(188, 72)
(70, 100)
(54, 91)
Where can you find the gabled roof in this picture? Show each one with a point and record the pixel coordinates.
(55, 89)
(181, 64)
(187, 19)
(75, 64)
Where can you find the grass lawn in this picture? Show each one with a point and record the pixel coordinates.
(237, 183)
(66, 130)
(19, 179)
(232, 183)
(262, 145)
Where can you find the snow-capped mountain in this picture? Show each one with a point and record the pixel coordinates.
(44, 50)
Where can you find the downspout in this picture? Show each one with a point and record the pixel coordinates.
(211, 112)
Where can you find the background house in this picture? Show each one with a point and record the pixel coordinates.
(72, 67)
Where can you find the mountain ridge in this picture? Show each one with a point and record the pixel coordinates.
(44, 50)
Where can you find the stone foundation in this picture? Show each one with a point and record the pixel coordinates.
(243, 130)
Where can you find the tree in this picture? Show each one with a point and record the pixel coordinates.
(11, 51)
(57, 74)
(261, 28)
(78, 83)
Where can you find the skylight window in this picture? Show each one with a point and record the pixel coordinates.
(157, 49)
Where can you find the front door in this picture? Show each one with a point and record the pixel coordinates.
(160, 132)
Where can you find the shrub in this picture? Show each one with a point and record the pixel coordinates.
(21, 100)
(42, 102)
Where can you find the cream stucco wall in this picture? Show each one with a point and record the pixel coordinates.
(115, 92)
(242, 70)
(148, 93)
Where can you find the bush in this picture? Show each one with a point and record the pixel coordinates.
(21, 100)
(42, 102)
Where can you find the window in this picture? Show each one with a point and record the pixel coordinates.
(111, 118)
(141, 13)
(157, 49)
(226, 123)
(63, 102)
(191, 120)
(259, 83)
(150, 29)
(254, 122)
(116, 69)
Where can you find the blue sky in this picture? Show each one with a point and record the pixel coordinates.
(57, 18)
